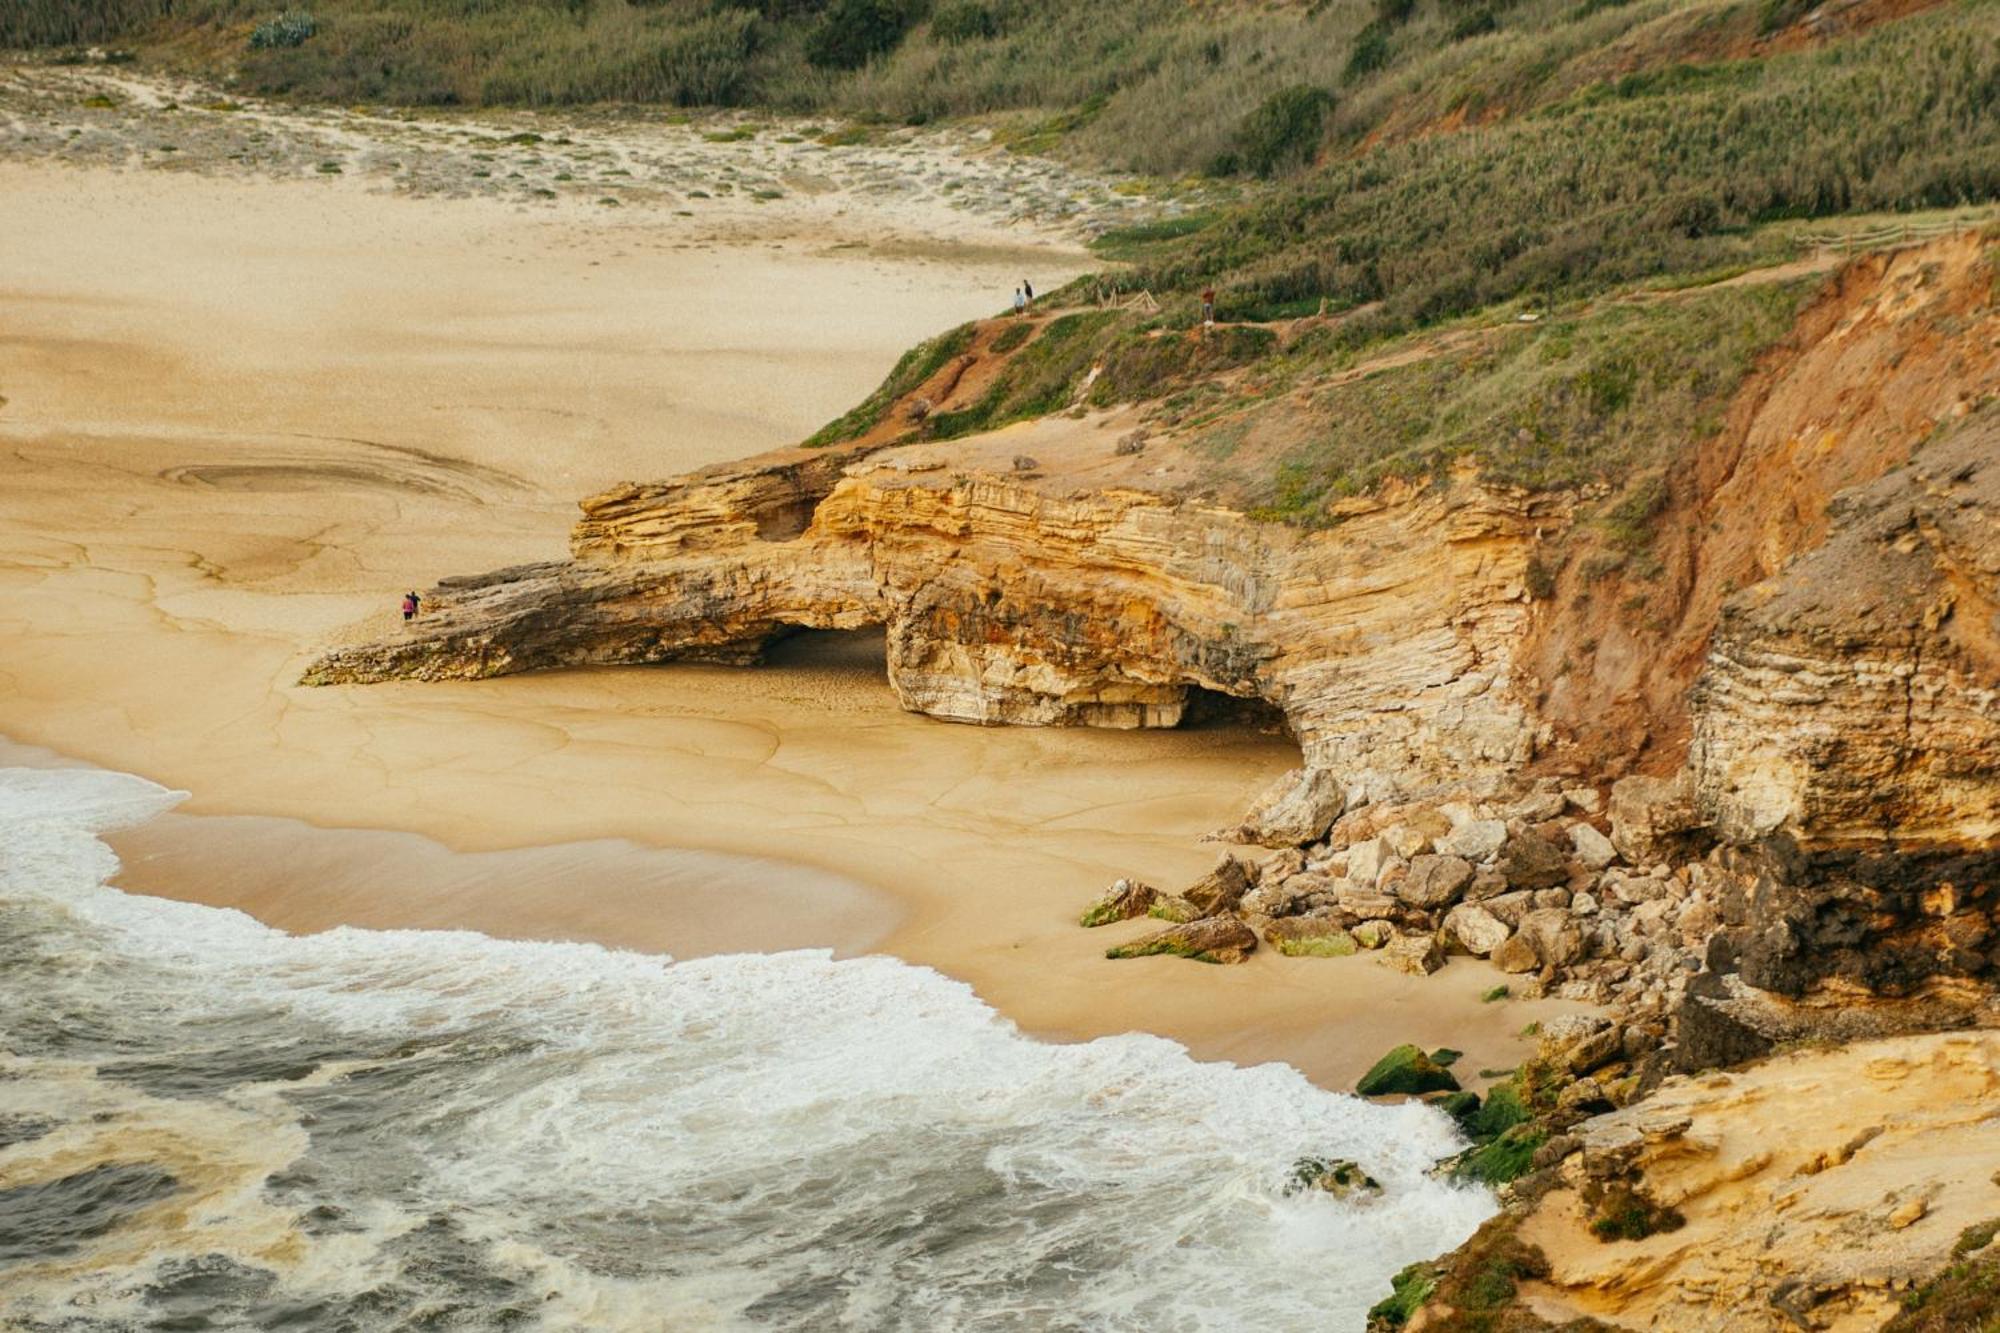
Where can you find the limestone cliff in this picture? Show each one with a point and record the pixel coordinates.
(1387, 641)
(1847, 730)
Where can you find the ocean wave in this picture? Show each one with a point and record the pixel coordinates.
(381, 1130)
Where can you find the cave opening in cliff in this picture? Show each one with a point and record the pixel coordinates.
(844, 650)
(1212, 710)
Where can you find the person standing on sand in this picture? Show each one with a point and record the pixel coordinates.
(410, 604)
(1020, 302)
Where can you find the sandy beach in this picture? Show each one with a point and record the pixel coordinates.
(240, 415)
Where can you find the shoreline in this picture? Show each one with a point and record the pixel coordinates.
(1328, 1018)
(231, 443)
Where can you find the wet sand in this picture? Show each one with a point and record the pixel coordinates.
(241, 415)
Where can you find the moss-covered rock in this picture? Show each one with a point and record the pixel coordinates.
(1460, 1106)
(1338, 1176)
(1215, 939)
(1409, 1290)
(1169, 907)
(1309, 937)
(1500, 1112)
(1508, 1157)
(1126, 899)
(1406, 1070)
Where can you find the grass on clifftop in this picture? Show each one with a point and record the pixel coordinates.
(1667, 172)
(1158, 86)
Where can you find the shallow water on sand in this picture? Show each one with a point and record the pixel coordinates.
(206, 1123)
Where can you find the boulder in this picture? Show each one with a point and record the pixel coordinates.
(1435, 882)
(1475, 928)
(1374, 934)
(1284, 865)
(1125, 899)
(1309, 937)
(1338, 1176)
(1592, 848)
(1532, 862)
(1419, 955)
(1510, 907)
(1214, 939)
(1171, 907)
(1585, 799)
(1221, 888)
(1580, 1043)
(1515, 956)
(1367, 859)
(1631, 888)
(1364, 905)
(1406, 1071)
(1539, 806)
(1554, 936)
(1406, 840)
(1025, 463)
(1132, 442)
(1650, 816)
(1474, 839)
(1271, 898)
(1296, 809)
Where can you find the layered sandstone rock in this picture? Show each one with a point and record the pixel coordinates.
(1387, 641)
(1854, 700)
(1805, 1193)
(1847, 732)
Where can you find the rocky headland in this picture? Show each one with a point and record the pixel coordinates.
(1759, 817)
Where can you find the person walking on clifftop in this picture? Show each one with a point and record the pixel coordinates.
(1020, 303)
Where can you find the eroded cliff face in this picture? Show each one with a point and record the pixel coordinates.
(1894, 344)
(1853, 701)
(1847, 734)
(1387, 641)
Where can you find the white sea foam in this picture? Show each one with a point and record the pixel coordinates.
(747, 1141)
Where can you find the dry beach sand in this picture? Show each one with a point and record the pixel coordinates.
(240, 413)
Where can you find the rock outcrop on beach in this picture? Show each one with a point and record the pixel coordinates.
(1386, 641)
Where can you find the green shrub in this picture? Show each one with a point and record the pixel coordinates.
(856, 31)
(916, 366)
(966, 21)
(291, 28)
(1283, 132)
(1625, 1213)
(1474, 23)
(1370, 51)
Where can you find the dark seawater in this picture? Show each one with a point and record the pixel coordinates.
(208, 1124)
